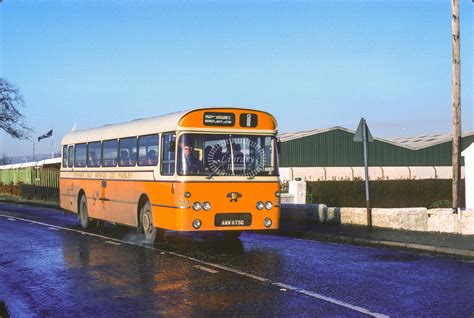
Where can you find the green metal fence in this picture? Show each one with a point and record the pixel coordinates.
(40, 176)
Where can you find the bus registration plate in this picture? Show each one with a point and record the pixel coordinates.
(233, 219)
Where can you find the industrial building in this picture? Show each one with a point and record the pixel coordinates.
(331, 154)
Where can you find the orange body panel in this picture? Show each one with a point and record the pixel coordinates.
(118, 201)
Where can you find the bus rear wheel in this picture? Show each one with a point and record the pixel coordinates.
(83, 213)
(152, 233)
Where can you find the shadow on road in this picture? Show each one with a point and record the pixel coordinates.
(3, 310)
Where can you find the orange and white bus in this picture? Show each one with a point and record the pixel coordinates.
(208, 169)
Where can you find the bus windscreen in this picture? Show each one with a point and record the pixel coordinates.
(227, 155)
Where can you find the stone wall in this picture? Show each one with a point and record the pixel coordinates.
(413, 219)
(375, 173)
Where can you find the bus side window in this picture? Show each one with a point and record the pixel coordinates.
(148, 150)
(168, 154)
(80, 155)
(70, 156)
(93, 154)
(64, 156)
(109, 153)
(128, 151)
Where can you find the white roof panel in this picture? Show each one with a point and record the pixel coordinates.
(143, 126)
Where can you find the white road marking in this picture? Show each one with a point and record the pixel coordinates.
(206, 269)
(340, 303)
(10, 219)
(224, 268)
(52, 228)
(113, 243)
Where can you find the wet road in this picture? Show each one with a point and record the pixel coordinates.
(50, 267)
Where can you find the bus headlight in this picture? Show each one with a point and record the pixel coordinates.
(206, 206)
(197, 206)
(268, 205)
(197, 224)
(260, 205)
(267, 222)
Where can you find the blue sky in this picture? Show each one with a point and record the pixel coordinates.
(313, 64)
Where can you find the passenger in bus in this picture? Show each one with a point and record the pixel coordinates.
(124, 158)
(190, 163)
(92, 160)
(152, 157)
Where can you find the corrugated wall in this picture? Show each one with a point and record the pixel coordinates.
(336, 148)
(45, 177)
(15, 176)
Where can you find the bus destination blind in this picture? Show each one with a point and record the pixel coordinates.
(219, 119)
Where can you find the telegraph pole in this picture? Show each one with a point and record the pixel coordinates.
(456, 95)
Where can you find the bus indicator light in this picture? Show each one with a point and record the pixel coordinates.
(268, 205)
(187, 194)
(260, 205)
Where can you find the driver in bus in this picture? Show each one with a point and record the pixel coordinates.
(190, 163)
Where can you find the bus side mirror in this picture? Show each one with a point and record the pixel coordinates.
(278, 145)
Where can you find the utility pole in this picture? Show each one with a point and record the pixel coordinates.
(456, 95)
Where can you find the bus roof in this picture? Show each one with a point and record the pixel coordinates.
(189, 119)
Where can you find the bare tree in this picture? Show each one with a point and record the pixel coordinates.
(11, 119)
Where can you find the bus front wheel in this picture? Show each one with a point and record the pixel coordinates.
(152, 233)
(83, 213)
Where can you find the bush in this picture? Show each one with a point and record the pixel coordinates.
(384, 193)
(441, 204)
(10, 189)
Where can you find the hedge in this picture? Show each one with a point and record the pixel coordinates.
(30, 192)
(384, 194)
